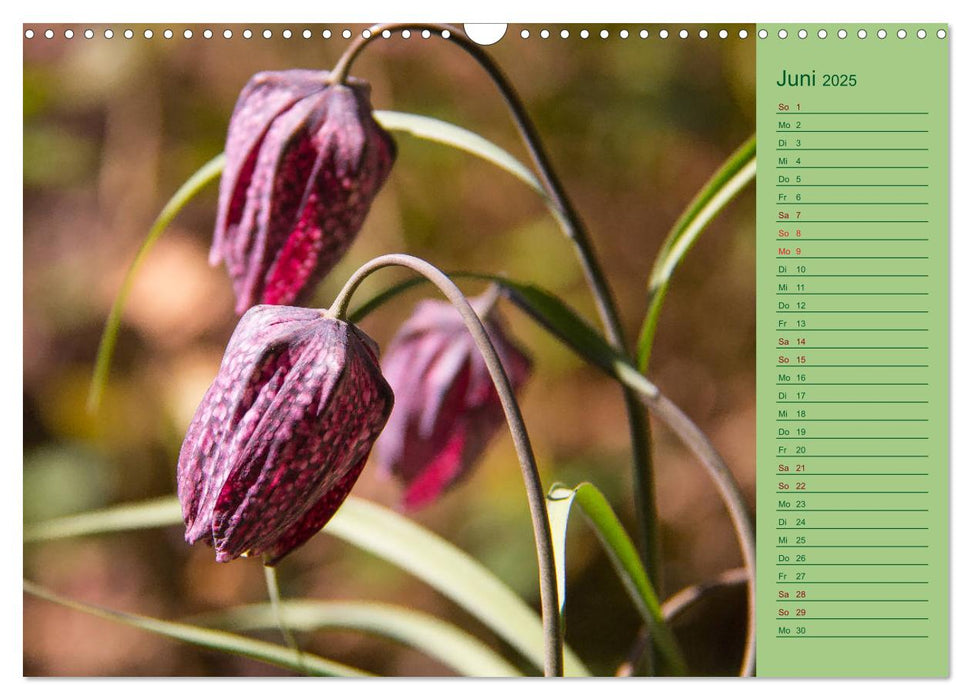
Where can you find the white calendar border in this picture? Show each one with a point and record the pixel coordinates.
(890, 11)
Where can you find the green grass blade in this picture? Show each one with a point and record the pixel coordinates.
(727, 182)
(159, 512)
(208, 638)
(383, 297)
(109, 337)
(449, 570)
(379, 531)
(438, 639)
(623, 555)
(432, 129)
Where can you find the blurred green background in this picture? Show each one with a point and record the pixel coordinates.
(634, 127)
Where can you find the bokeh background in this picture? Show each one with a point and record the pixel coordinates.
(634, 127)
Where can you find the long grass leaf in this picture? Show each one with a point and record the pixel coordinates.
(210, 639)
(109, 337)
(622, 554)
(438, 639)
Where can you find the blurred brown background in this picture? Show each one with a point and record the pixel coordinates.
(635, 127)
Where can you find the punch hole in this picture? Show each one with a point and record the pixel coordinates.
(187, 34)
(624, 33)
(89, 34)
(822, 34)
(703, 33)
(148, 33)
(207, 34)
(446, 34)
(663, 33)
(287, 34)
(604, 33)
(861, 33)
(247, 33)
(644, 34)
(347, 33)
(683, 34)
(326, 34)
(723, 34)
(168, 34)
(386, 34)
(524, 34)
(50, 34)
(742, 33)
(783, 34)
(762, 33)
(425, 34)
(545, 34)
(901, 33)
(485, 34)
(881, 33)
(584, 34)
(267, 34)
(941, 34)
(921, 34)
(405, 34)
(841, 33)
(564, 34)
(129, 34)
(802, 34)
(29, 34)
(366, 33)
(306, 34)
(227, 34)
(109, 34)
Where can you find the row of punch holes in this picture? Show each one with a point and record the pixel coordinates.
(425, 34)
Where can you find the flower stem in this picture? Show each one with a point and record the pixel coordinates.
(575, 229)
(674, 606)
(536, 495)
(273, 590)
(699, 444)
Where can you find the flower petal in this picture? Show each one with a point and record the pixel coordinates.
(309, 436)
(266, 96)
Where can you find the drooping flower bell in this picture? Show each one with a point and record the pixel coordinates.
(447, 408)
(282, 434)
(304, 161)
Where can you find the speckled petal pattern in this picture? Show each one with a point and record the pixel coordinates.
(448, 408)
(282, 434)
(304, 161)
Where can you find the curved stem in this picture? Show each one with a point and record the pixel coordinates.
(724, 481)
(534, 488)
(574, 228)
(674, 606)
(686, 597)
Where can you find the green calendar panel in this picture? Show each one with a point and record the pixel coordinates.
(852, 468)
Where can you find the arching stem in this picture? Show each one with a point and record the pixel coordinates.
(535, 493)
(574, 228)
(731, 494)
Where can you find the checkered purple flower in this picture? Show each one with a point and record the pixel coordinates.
(304, 161)
(447, 407)
(282, 434)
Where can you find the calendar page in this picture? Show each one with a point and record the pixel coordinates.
(486, 350)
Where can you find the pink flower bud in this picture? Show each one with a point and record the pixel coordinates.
(304, 161)
(447, 407)
(282, 434)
